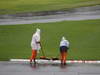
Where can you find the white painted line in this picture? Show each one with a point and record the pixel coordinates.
(57, 61)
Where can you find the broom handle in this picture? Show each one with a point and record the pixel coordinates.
(42, 50)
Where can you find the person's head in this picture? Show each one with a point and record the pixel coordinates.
(38, 31)
(63, 38)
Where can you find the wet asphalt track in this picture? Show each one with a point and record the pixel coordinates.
(24, 68)
(83, 13)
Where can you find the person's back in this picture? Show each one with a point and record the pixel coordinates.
(64, 42)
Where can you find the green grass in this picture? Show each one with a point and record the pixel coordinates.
(84, 37)
(16, 6)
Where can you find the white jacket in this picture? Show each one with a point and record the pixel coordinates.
(35, 39)
(64, 42)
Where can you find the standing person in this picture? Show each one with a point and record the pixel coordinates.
(64, 46)
(35, 44)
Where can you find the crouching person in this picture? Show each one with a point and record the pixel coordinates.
(64, 46)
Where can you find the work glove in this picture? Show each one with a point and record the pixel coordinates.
(38, 51)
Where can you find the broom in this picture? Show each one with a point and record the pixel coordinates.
(43, 57)
(46, 58)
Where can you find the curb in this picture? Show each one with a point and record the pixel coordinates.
(57, 61)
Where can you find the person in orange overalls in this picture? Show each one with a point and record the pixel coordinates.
(64, 46)
(35, 44)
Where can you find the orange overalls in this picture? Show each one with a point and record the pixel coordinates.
(34, 54)
(63, 56)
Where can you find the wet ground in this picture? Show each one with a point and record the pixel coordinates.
(82, 13)
(24, 68)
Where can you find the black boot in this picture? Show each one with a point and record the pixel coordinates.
(34, 61)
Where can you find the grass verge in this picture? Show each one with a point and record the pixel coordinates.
(84, 37)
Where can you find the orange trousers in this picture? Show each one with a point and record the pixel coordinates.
(63, 56)
(33, 56)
